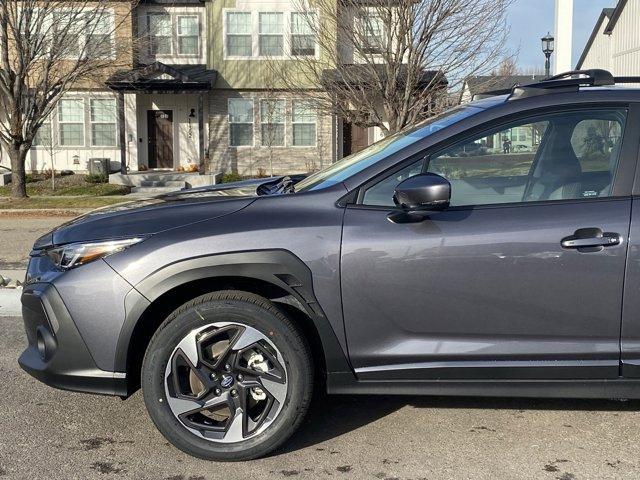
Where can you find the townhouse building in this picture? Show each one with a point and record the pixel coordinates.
(200, 96)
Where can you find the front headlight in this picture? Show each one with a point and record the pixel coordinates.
(76, 254)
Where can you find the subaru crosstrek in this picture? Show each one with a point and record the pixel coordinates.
(491, 250)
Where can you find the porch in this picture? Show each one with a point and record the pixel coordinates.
(162, 112)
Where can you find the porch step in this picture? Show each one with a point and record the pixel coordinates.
(157, 190)
(163, 183)
(164, 179)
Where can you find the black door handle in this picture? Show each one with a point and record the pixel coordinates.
(591, 240)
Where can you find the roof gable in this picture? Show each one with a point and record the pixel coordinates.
(606, 14)
(159, 76)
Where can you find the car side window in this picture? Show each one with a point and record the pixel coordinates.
(493, 168)
(382, 192)
(595, 141)
(558, 156)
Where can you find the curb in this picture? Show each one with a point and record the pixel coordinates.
(61, 212)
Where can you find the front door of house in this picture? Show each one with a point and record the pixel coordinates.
(355, 138)
(160, 124)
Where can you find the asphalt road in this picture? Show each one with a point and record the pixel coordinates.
(51, 434)
(17, 234)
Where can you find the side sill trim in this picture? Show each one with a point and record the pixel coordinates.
(605, 389)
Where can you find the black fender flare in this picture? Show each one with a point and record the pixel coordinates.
(280, 268)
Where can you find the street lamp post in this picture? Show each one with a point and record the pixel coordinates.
(547, 49)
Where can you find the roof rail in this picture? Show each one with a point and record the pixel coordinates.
(566, 82)
(626, 79)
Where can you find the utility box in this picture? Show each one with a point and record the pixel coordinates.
(99, 166)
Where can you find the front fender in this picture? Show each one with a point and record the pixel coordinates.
(280, 268)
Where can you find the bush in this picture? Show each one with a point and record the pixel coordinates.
(231, 177)
(96, 178)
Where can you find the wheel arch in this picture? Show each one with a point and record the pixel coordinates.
(277, 275)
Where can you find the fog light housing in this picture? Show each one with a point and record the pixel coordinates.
(45, 343)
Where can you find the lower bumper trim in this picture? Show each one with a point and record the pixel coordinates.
(89, 380)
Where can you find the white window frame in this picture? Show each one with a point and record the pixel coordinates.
(294, 123)
(283, 123)
(362, 18)
(253, 121)
(255, 34)
(150, 14)
(60, 122)
(226, 34)
(114, 123)
(178, 35)
(83, 35)
(111, 33)
(48, 123)
(261, 35)
(313, 30)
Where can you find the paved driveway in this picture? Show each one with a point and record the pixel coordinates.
(50, 434)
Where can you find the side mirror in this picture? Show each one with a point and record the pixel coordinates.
(424, 192)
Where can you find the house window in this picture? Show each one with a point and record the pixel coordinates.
(43, 135)
(372, 33)
(272, 115)
(71, 122)
(303, 42)
(159, 33)
(240, 122)
(239, 34)
(99, 41)
(37, 39)
(188, 35)
(271, 34)
(67, 31)
(103, 122)
(304, 124)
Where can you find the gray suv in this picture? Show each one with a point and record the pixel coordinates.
(491, 250)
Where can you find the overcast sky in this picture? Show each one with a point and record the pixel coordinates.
(532, 19)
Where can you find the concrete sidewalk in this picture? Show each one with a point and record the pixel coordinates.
(10, 302)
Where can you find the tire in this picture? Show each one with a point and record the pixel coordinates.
(276, 366)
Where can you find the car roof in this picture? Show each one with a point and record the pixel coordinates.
(614, 90)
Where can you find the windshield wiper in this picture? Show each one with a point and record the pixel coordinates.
(284, 185)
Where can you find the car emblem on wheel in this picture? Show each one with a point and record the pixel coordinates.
(227, 381)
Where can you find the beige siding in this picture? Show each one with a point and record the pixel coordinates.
(599, 55)
(618, 52)
(626, 41)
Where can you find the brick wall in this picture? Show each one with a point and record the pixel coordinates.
(250, 161)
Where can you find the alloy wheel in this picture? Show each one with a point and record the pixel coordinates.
(226, 382)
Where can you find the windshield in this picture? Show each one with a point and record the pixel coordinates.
(357, 162)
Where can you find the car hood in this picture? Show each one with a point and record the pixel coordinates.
(146, 216)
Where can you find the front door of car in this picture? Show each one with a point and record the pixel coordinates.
(521, 277)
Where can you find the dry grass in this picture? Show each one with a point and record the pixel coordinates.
(75, 185)
(70, 204)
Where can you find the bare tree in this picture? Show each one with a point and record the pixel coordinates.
(508, 66)
(48, 48)
(390, 63)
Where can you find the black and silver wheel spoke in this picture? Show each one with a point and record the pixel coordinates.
(226, 382)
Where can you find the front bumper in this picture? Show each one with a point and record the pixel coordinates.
(56, 353)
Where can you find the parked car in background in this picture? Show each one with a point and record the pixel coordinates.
(403, 269)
